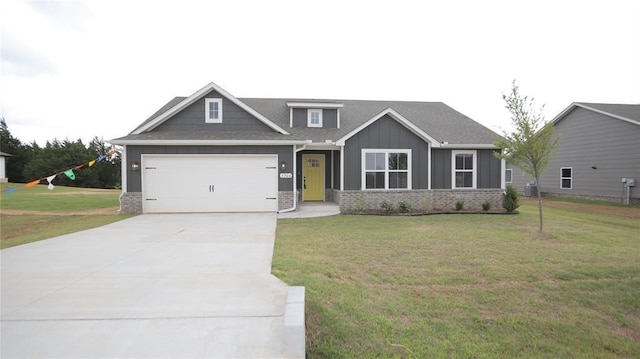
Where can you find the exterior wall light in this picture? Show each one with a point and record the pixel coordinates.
(135, 166)
(283, 166)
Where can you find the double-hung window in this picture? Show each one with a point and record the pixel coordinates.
(508, 175)
(566, 177)
(314, 118)
(213, 110)
(386, 169)
(464, 169)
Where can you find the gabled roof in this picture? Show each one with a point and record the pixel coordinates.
(624, 112)
(175, 106)
(434, 122)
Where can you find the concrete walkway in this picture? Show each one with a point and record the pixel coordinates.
(312, 209)
(170, 285)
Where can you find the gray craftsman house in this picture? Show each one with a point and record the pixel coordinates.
(213, 152)
(598, 154)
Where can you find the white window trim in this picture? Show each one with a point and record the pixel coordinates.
(314, 110)
(474, 171)
(207, 119)
(564, 178)
(386, 151)
(510, 176)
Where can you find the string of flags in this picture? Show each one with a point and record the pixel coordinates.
(68, 173)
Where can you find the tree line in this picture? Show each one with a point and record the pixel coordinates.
(29, 161)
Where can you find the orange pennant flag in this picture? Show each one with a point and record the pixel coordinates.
(91, 163)
(32, 184)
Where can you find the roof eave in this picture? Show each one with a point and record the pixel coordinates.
(206, 142)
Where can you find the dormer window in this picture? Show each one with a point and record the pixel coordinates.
(314, 118)
(213, 110)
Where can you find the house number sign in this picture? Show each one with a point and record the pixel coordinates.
(286, 175)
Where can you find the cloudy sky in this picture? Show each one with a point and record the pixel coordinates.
(79, 69)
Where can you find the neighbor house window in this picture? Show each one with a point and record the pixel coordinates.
(314, 118)
(386, 169)
(508, 175)
(464, 169)
(213, 110)
(566, 177)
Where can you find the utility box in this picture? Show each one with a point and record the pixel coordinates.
(530, 190)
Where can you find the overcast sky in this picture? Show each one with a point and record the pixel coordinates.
(79, 69)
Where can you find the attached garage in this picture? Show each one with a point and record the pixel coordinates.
(209, 183)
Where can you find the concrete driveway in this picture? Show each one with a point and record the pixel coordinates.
(166, 285)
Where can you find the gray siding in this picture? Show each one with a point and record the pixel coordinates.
(489, 170)
(234, 118)
(285, 153)
(336, 169)
(329, 118)
(441, 169)
(592, 139)
(385, 133)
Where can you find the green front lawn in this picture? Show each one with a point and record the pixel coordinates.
(480, 286)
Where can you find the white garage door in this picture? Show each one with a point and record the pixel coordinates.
(209, 183)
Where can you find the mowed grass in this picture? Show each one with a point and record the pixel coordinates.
(466, 286)
(32, 214)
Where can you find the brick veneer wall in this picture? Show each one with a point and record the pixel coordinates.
(130, 203)
(285, 200)
(420, 200)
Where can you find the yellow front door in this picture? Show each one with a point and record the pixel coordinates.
(313, 177)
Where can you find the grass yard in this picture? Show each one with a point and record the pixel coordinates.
(32, 214)
(467, 286)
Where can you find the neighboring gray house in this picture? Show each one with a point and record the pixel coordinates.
(598, 151)
(213, 152)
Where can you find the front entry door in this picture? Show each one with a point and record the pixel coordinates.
(313, 177)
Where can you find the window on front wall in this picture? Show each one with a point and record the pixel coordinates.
(213, 110)
(314, 118)
(566, 177)
(464, 169)
(508, 175)
(386, 169)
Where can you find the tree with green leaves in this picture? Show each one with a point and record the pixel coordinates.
(532, 144)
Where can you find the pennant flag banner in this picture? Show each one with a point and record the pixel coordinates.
(32, 184)
(50, 179)
(69, 173)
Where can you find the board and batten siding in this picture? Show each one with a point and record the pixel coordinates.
(192, 118)
(329, 117)
(385, 133)
(590, 139)
(285, 153)
(488, 171)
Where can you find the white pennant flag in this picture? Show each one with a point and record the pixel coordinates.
(50, 179)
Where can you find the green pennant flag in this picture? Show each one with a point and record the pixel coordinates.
(70, 174)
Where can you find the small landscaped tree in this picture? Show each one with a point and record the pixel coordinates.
(531, 144)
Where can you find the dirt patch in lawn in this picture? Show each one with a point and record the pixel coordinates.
(630, 212)
(98, 211)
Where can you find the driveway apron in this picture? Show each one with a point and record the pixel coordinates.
(163, 285)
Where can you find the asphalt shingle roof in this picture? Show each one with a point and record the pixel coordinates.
(631, 112)
(435, 118)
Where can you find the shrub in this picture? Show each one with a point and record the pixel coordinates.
(486, 206)
(459, 205)
(387, 207)
(360, 203)
(510, 199)
(404, 207)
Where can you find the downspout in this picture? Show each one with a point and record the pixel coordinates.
(295, 179)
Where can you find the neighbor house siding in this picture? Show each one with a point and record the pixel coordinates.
(589, 139)
(329, 117)
(385, 133)
(234, 118)
(285, 153)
